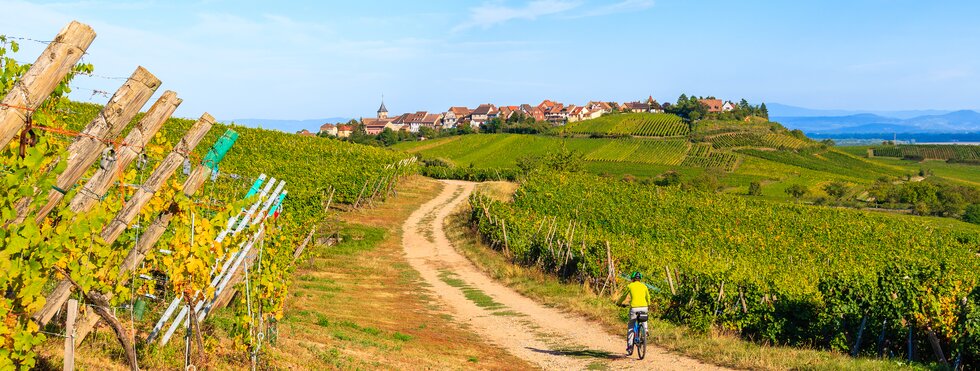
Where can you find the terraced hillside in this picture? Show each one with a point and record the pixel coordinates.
(503, 150)
(633, 124)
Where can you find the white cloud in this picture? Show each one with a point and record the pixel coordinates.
(620, 7)
(488, 15)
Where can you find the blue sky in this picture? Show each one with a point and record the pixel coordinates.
(305, 60)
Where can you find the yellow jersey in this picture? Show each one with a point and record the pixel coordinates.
(639, 295)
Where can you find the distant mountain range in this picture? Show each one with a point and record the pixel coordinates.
(289, 126)
(826, 122)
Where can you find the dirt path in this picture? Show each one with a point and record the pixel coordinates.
(541, 335)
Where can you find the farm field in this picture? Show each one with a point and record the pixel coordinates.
(633, 124)
(503, 150)
(776, 170)
(759, 251)
(930, 152)
(967, 174)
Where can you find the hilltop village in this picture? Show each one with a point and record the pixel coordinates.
(548, 111)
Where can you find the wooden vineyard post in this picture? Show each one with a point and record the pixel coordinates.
(670, 280)
(937, 349)
(95, 189)
(159, 225)
(61, 292)
(503, 226)
(299, 250)
(50, 68)
(329, 200)
(70, 334)
(358, 202)
(90, 143)
(160, 175)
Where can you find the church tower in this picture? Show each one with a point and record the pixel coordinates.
(382, 112)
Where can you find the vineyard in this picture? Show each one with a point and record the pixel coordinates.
(829, 161)
(930, 152)
(776, 273)
(502, 151)
(715, 160)
(769, 140)
(633, 124)
(137, 239)
(665, 152)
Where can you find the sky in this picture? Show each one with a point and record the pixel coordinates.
(308, 60)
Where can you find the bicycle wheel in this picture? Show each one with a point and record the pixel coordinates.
(641, 346)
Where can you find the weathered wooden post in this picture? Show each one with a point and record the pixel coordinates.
(302, 246)
(130, 210)
(193, 182)
(937, 349)
(670, 280)
(50, 68)
(137, 139)
(90, 143)
(160, 175)
(155, 231)
(70, 334)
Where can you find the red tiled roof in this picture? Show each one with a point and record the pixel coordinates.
(712, 104)
(484, 109)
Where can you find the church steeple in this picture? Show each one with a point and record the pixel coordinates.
(382, 111)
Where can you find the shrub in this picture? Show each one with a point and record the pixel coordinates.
(972, 214)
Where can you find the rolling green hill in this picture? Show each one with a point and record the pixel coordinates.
(742, 152)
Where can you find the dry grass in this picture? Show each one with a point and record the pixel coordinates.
(357, 305)
(716, 348)
(502, 191)
(361, 306)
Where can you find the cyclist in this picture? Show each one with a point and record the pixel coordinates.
(639, 303)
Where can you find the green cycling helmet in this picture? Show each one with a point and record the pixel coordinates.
(636, 276)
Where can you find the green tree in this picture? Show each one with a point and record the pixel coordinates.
(836, 189)
(972, 214)
(564, 160)
(668, 179)
(388, 137)
(763, 111)
(797, 191)
(755, 188)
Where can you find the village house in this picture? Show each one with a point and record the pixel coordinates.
(344, 131)
(505, 112)
(714, 105)
(599, 107)
(305, 133)
(637, 107)
(420, 119)
(455, 116)
(328, 129)
(533, 112)
(577, 113)
(482, 114)
(728, 107)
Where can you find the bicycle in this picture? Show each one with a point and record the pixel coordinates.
(640, 342)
